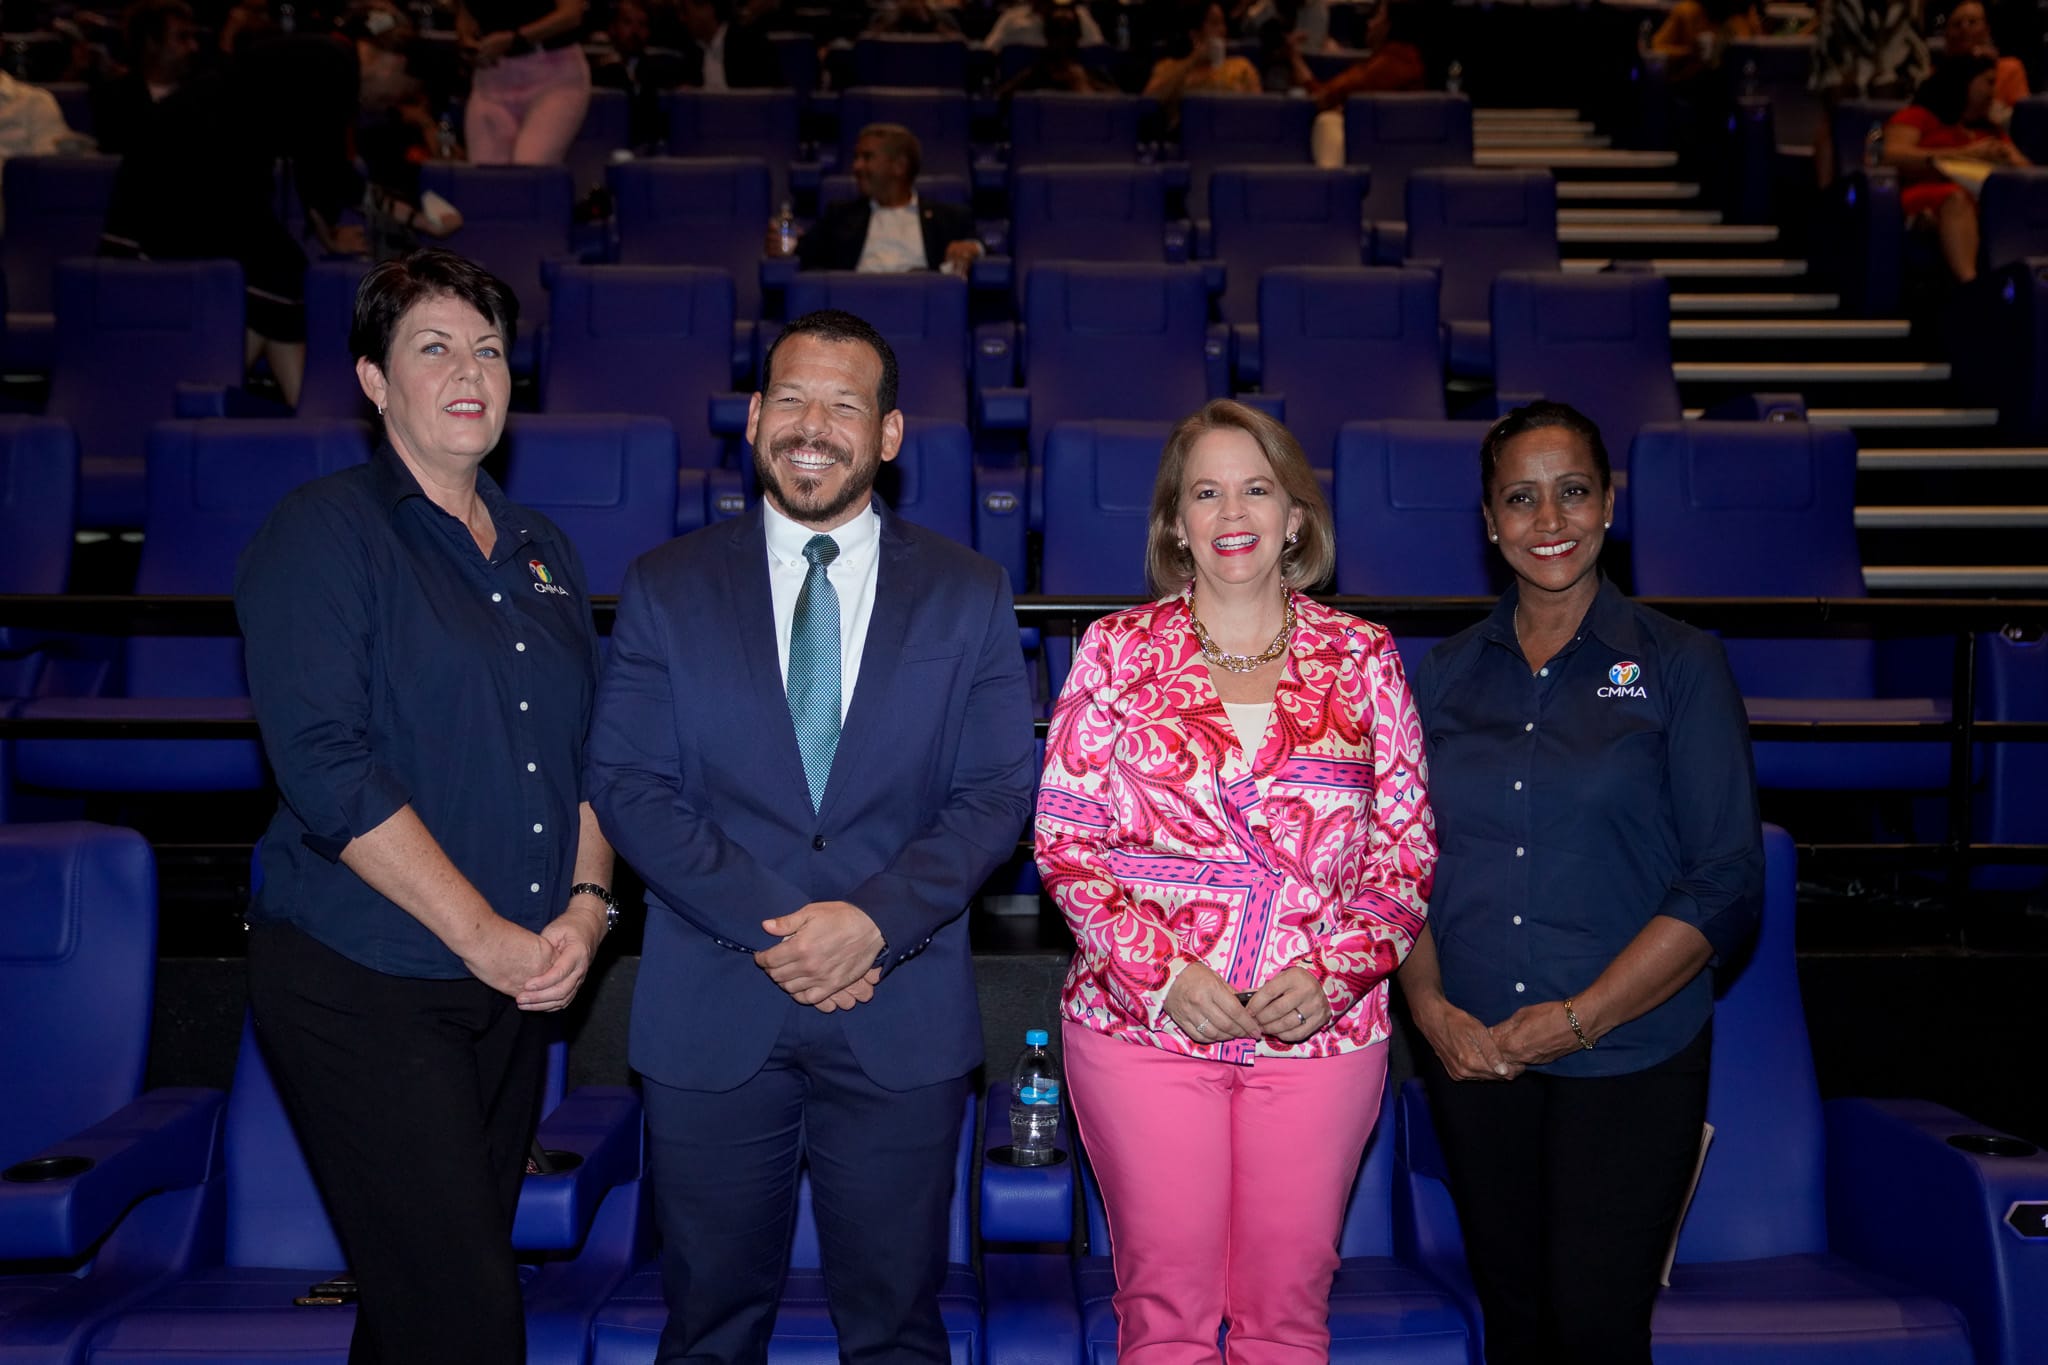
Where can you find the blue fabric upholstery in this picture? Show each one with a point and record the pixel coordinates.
(1767, 509)
(331, 388)
(607, 128)
(626, 1328)
(513, 219)
(703, 211)
(1472, 225)
(211, 485)
(1266, 216)
(931, 480)
(38, 501)
(1339, 344)
(655, 339)
(1218, 129)
(2012, 213)
(937, 189)
(938, 117)
(751, 123)
(609, 482)
(923, 314)
(55, 207)
(128, 333)
(1098, 505)
(1601, 343)
(1397, 134)
(1087, 213)
(916, 60)
(1070, 128)
(2012, 677)
(1759, 1276)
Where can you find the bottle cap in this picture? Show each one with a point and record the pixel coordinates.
(1037, 1037)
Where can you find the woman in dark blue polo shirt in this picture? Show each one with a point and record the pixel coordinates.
(422, 662)
(1596, 810)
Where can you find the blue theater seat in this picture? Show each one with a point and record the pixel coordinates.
(232, 1298)
(1088, 213)
(1266, 216)
(2012, 672)
(55, 207)
(38, 496)
(1340, 344)
(1767, 509)
(609, 482)
(2012, 213)
(1218, 129)
(750, 123)
(704, 211)
(331, 389)
(2029, 128)
(927, 61)
(932, 480)
(625, 1330)
(656, 340)
(1406, 504)
(1098, 506)
(607, 128)
(211, 485)
(1395, 135)
(923, 314)
(514, 218)
(939, 189)
(1071, 128)
(1601, 343)
(79, 1141)
(1472, 225)
(1845, 1233)
(129, 333)
(939, 117)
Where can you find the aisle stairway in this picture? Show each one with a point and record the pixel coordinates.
(1943, 507)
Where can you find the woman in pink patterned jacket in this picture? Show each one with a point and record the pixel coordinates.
(1234, 819)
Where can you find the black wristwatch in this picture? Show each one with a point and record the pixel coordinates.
(611, 902)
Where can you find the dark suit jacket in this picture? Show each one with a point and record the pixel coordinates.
(750, 60)
(835, 240)
(696, 779)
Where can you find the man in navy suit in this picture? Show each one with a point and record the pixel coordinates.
(890, 228)
(813, 742)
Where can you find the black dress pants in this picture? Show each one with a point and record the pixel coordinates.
(1568, 1189)
(415, 1101)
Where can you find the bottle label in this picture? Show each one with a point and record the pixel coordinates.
(1047, 1093)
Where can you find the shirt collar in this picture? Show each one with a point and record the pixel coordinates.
(1612, 617)
(910, 206)
(395, 483)
(786, 538)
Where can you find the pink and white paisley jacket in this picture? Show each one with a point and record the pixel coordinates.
(1155, 840)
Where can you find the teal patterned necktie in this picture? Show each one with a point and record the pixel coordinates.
(814, 667)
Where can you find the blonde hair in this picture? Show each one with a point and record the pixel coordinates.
(1308, 561)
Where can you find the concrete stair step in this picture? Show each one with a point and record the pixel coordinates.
(1646, 216)
(1569, 191)
(1943, 518)
(1952, 461)
(1956, 577)
(1797, 372)
(1755, 303)
(1699, 267)
(1671, 234)
(1577, 158)
(1790, 329)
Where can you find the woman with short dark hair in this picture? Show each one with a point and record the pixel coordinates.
(422, 663)
(1234, 819)
(1589, 764)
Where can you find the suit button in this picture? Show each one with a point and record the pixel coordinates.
(818, 844)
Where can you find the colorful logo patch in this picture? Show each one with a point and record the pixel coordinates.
(540, 571)
(1624, 673)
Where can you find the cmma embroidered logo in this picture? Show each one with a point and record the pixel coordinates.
(543, 580)
(1622, 679)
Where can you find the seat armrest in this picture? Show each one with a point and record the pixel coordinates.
(988, 177)
(1201, 241)
(747, 346)
(994, 273)
(1967, 1226)
(1426, 1231)
(994, 236)
(1003, 409)
(1246, 361)
(599, 1125)
(1023, 1203)
(725, 494)
(691, 497)
(727, 413)
(995, 355)
(1216, 359)
(999, 520)
(1389, 242)
(164, 1140)
(804, 178)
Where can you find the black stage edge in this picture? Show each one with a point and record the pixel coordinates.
(1961, 1028)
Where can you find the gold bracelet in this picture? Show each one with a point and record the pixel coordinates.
(1572, 1017)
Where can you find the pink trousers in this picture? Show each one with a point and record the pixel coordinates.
(1224, 1186)
(525, 111)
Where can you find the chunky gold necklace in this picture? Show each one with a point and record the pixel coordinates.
(1244, 663)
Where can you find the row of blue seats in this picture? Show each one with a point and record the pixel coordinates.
(140, 1226)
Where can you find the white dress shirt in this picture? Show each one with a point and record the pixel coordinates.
(714, 62)
(895, 240)
(852, 576)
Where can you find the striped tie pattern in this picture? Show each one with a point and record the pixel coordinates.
(814, 667)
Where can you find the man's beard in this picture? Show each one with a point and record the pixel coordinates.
(800, 496)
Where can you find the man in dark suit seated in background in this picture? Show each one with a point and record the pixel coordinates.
(724, 46)
(628, 61)
(889, 228)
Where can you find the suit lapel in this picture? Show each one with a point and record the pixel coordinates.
(888, 628)
(752, 608)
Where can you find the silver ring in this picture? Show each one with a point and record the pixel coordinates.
(1300, 1017)
(1202, 1025)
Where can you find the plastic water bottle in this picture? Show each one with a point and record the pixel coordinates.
(445, 141)
(1454, 78)
(1123, 30)
(1873, 147)
(782, 232)
(1034, 1104)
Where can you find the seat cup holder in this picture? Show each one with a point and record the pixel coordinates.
(46, 1168)
(1992, 1144)
(560, 1163)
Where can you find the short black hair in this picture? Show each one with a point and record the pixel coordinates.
(148, 21)
(1535, 417)
(833, 324)
(1946, 91)
(396, 285)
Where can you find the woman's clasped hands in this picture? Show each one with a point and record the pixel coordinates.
(1291, 1006)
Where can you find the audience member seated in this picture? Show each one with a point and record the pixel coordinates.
(888, 228)
(530, 86)
(1060, 67)
(1207, 65)
(931, 17)
(1968, 33)
(162, 45)
(1862, 49)
(31, 124)
(1305, 23)
(248, 19)
(1696, 32)
(1391, 63)
(1025, 23)
(626, 60)
(1944, 144)
(724, 47)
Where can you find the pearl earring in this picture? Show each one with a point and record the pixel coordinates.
(1183, 542)
(1494, 539)
(1607, 526)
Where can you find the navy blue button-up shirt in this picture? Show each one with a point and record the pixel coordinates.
(391, 664)
(1575, 803)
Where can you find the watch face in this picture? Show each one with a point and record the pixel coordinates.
(611, 918)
